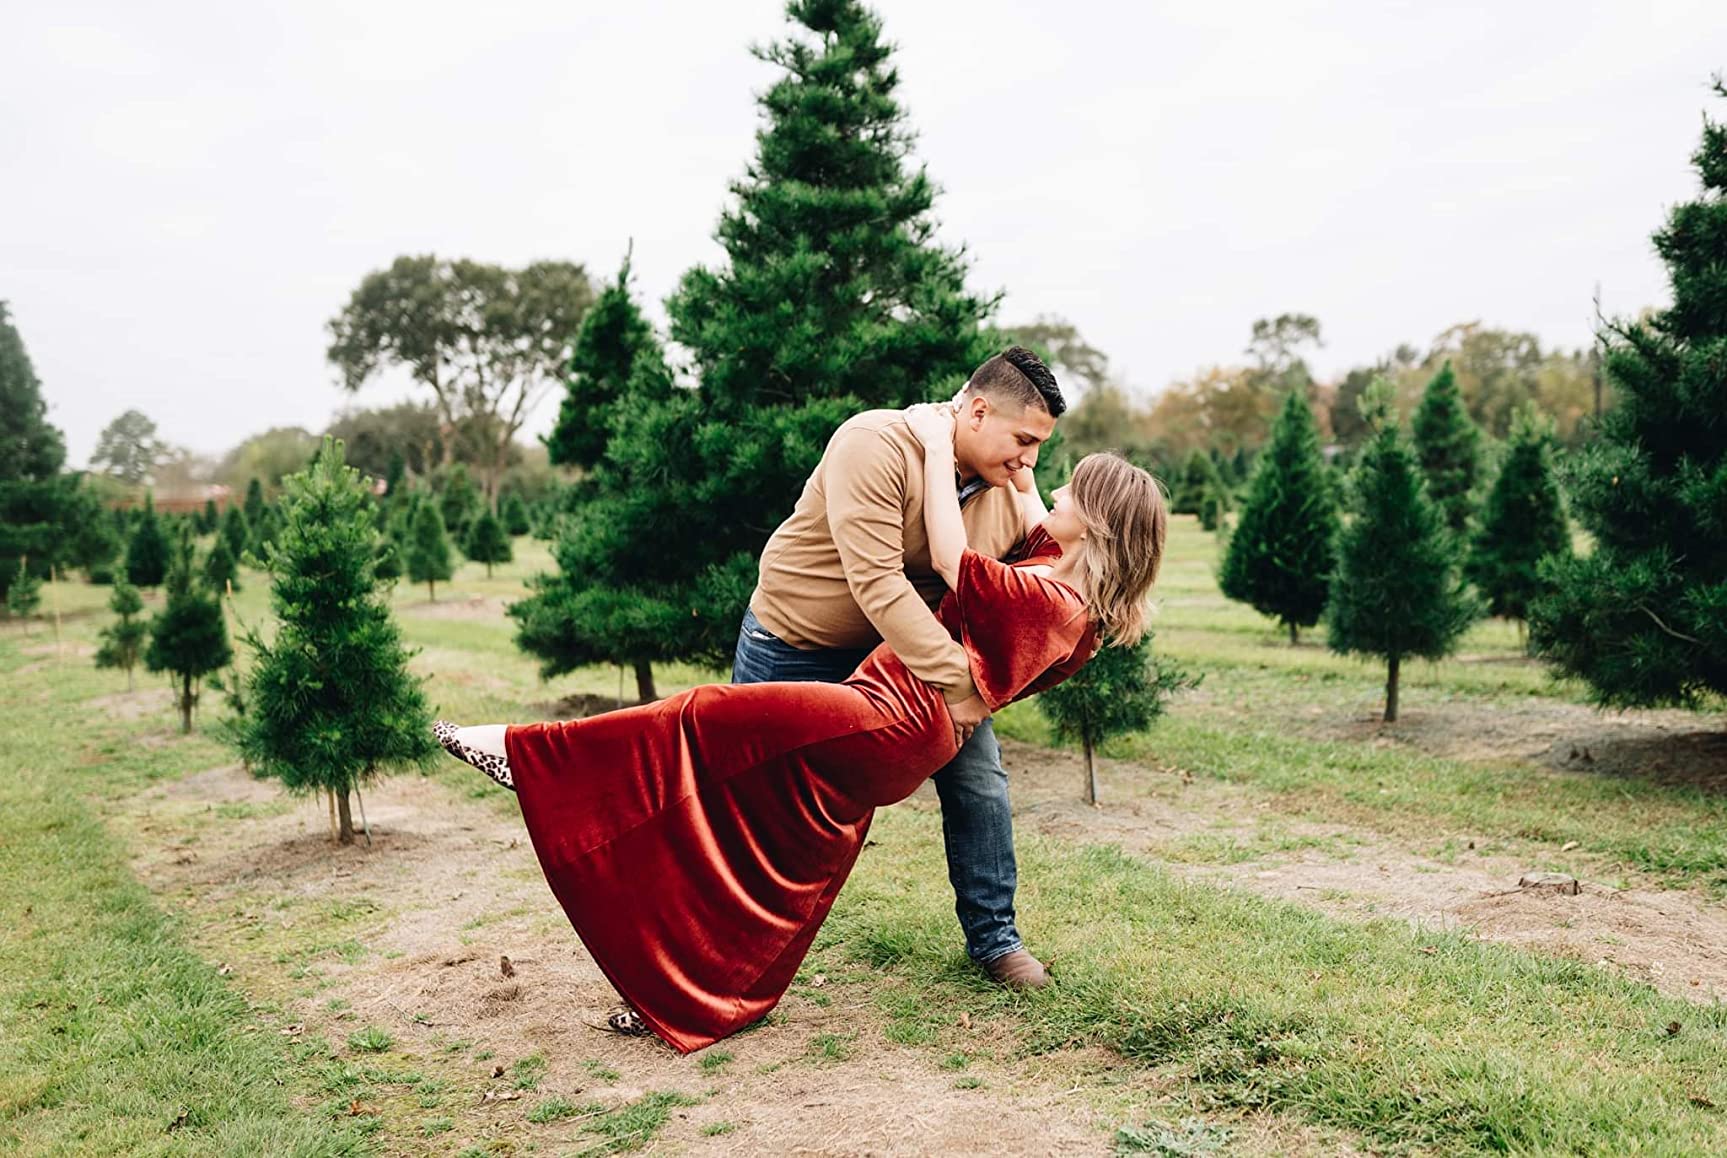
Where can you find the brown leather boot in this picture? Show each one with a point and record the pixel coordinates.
(1017, 970)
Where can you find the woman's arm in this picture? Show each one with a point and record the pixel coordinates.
(933, 426)
(1031, 508)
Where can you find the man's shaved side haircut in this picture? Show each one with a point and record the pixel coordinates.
(1019, 374)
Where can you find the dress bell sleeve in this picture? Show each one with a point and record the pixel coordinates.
(1016, 626)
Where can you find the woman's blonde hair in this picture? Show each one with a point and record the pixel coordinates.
(1126, 523)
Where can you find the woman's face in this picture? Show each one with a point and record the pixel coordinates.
(1063, 523)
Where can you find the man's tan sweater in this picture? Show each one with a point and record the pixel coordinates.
(851, 565)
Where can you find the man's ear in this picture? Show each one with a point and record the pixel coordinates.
(976, 408)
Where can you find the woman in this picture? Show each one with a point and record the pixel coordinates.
(698, 843)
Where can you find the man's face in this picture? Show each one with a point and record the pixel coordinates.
(995, 439)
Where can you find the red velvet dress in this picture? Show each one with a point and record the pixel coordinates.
(698, 843)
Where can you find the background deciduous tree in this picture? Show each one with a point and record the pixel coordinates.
(489, 342)
(129, 449)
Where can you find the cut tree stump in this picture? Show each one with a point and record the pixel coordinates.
(1551, 882)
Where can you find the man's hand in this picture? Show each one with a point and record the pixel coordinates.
(967, 715)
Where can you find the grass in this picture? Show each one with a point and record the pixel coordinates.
(555, 1110)
(527, 1073)
(633, 1126)
(114, 1036)
(370, 1040)
(601, 1072)
(1252, 726)
(1404, 1037)
(713, 1060)
(832, 1047)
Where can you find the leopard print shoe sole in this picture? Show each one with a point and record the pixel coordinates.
(496, 767)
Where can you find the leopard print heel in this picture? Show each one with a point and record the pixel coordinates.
(496, 767)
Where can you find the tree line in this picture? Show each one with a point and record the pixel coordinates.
(835, 296)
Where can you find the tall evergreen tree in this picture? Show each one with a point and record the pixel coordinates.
(42, 511)
(388, 564)
(487, 542)
(99, 542)
(330, 704)
(1199, 479)
(835, 298)
(1396, 590)
(1279, 559)
(1448, 443)
(254, 501)
(396, 474)
(1643, 619)
(188, 637)
(1522, 522)
(513, 513)
(210, 520)
(148, 551)
(237, 531)
(461, 502)
(1122, 690)
(616, 353)
(220, 567)
(428, 549)
(123, 640)
(24, 596)
(265, 528)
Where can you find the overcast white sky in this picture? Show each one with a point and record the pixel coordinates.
(191, 190)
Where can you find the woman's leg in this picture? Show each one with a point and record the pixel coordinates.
(488, 738)
(482, 747)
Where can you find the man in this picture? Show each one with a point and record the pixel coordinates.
(851, 568)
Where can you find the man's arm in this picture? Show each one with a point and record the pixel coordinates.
(865, 484)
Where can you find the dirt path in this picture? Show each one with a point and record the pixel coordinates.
(409, 935)
(1673, 939)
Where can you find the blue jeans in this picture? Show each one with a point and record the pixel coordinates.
(976, 819)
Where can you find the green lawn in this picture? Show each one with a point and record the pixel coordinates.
(116, 1038)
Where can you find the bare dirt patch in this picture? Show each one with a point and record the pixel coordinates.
(449, 887)
(1674, 939)
(484, 607)
(1668, 745)
(134, 705)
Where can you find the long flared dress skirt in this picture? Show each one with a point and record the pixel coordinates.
(698, 843)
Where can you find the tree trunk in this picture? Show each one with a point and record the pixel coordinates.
(1090, 774)
(645, 681)
(1391, 689)
(185, 704)
(344, 819)
(130, 687)
(365, 826)
(1294, 634)
(488, 568)
(432, 590)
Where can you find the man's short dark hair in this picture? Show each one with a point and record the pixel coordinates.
(1019, 374)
